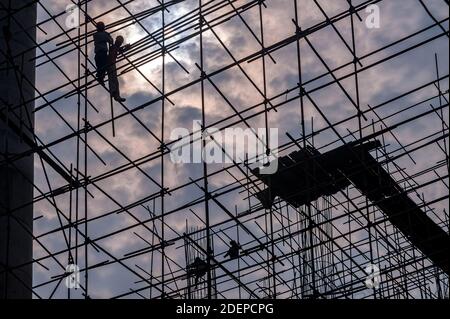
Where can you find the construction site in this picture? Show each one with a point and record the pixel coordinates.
(345, 196)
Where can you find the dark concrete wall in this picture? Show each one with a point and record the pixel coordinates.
(16, 178)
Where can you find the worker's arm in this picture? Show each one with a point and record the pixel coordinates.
(110, 39)
(124, 48)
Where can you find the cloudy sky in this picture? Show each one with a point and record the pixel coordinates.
(139, 137)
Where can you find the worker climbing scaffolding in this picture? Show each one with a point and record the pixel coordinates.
(233, 251)
(102, 40)
(106, 52)
(197, 269)
(114, 50)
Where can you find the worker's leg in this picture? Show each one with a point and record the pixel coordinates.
(117, 85)
(113, 81)
(114, 84)
(196, 281)
(101, 61)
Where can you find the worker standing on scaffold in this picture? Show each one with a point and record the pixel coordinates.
(114, 50)
(102, 40)
(197, 269)
(233, 251)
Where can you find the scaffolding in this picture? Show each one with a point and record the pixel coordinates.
(357, 209)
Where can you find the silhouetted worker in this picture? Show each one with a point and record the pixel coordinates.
(198, 269)
(114, 50)
(233, 251)
(102, 40)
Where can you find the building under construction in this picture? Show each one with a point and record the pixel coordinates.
(95, 204)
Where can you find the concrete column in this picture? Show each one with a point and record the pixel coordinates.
(16, 178)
